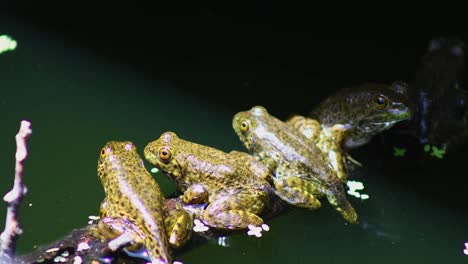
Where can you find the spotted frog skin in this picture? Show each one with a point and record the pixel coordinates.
(234, 185)
(352, 117)
(301, 172)
(135, 205)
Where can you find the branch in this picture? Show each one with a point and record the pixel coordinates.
(15, 195)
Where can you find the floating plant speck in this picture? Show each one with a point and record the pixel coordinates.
(354, 187)
(199, 226)
(7, 43)
(399, 152)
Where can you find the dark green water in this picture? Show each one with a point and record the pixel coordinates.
(77, 102)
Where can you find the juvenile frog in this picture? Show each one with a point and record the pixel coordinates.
(134, 204)
(352, 117)
(363, 111)
(302, 173)
(234, 185)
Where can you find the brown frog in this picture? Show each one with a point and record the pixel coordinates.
(233, 185)
(134, 204)
(301, 171)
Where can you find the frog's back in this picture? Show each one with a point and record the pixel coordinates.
(218, 171)
(291, 149)
(133, 194)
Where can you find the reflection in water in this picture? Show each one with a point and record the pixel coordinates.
(379, 232)
(223, 241)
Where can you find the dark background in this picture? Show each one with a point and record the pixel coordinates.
(274, 54)
(284, 57)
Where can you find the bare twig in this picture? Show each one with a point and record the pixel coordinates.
(14, 197)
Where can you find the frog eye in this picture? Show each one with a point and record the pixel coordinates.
(381, 101)
(165, 153)
(103, 153)
(244, 125)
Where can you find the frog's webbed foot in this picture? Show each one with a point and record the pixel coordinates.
(195, 194)
(111, 228)
(236, 211)
(134, 238)
(307, 126)
(297, 191)
(179, 224)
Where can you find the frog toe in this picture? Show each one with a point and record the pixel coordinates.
(233, 219)
(179, 225)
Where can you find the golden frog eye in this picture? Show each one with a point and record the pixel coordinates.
(165, 153)
(381, 101)
(103, 153)
(244, 125)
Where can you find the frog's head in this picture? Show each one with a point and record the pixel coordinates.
(368, 110)
(245, 124)
(369, 107)
(162, 153)
(115, 155)
(385, 107)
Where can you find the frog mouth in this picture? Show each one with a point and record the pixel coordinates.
(399, 112)
(375, 126)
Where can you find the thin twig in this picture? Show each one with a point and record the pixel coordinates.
(15, 195)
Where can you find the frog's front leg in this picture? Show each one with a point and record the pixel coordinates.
(297, 191)
(179, 224)
(236, 211)
(110, 228)
(195, 194)
(309, 127)
(330, 143)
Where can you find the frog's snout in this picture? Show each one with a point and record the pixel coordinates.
(400, 111)
(148, 152)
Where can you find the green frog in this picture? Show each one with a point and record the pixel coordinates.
(233, 185)
(352, 117)
(134, 204)
(302, 173)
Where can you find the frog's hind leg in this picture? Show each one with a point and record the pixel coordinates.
(331, 140)
(307, 126)
(336, 196)
(110, 228)
(179, 224)
(298, 192)
(114, 227)
(236, 211)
